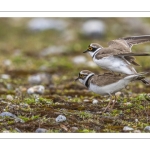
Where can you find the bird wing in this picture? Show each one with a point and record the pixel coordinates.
(128, 42)
(133, 40)
(106, 52)
(119, 44)
(128, 56)
(105, 79)
(132, 54)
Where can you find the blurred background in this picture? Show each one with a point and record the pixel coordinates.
(55, 45)
(49, 52)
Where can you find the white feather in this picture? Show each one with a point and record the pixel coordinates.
(114, 64)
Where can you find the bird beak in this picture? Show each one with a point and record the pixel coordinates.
(76, 78)
(85, 51)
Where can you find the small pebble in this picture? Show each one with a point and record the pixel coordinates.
(41, 78)
(41, 130)
(127, 103)
(6, 131)
(19, 120)
(136, 120)
(53, 50)
(60, 118)
(39, 89)
(74, 129)
(34, 79)
(9, 86)
(95, 101)
(136, 131)
(9, 97)
(41, 24)
(147, 129)
(126, 128)
(86, 100)
(79, 60)
(93, 28)
(5, 76)
(7, 62)
(118, 93)
(7, 114)
(91, 64)
(17, 130)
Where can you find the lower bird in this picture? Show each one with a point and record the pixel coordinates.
(107, 83)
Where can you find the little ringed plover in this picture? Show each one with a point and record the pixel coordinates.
(117, 57)
(107, 83)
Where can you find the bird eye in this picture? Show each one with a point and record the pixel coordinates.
(90, 48)
(81, 75)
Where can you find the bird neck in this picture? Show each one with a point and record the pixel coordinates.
(94, 53)
(87, 79)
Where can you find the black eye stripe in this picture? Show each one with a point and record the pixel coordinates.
(82, 75)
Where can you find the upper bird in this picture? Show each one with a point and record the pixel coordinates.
(118, 57)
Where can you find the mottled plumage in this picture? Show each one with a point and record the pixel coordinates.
(107, 83)
(117, 57)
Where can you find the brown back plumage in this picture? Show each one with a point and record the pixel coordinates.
(105, 79)
(122, 48)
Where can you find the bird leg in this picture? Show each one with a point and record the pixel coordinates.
(110, 103)
(114, 103)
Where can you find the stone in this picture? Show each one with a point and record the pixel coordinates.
(93, 28)
(147, 129)
(95, 101)
(41, 78)
(41, 130)
(79, 60)
(53, 50)
(7, 62)
(41, 24)
(9, 97)
(86, 100)
(118, 93)
(7, 114)
(5, 76)
(136, 131)
(9, 86)
(74, 129)
(39, 89)
(126, 128)
(61, 118)
(127, 103)
(91, 64)
(19, 120)
(5, 131)
(17, 130)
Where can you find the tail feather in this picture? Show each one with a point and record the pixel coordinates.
(145, 82)
(142, 78)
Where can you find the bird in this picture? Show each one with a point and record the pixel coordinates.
(106, 83)
(118, 57)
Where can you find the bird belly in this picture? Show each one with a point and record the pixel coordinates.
(109, 89)
(115, 64)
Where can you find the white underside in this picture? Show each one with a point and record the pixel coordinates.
(114, 64)
(111, 88)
